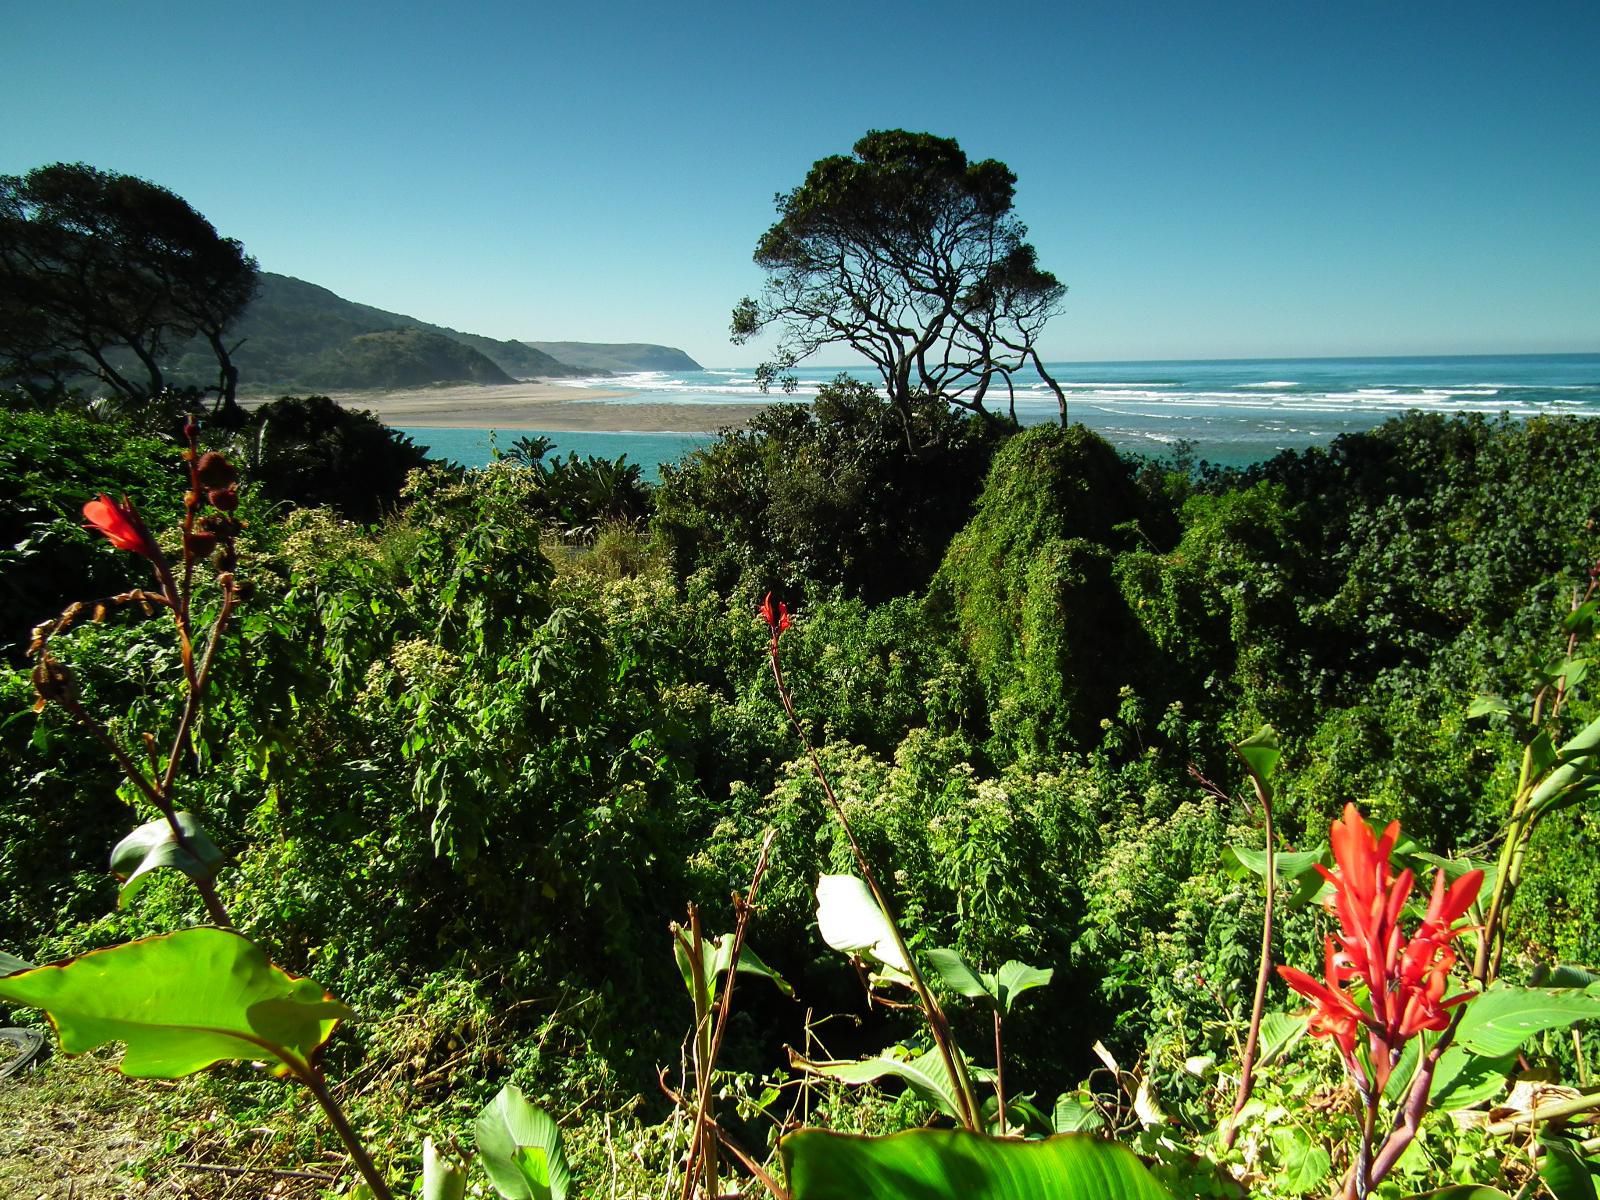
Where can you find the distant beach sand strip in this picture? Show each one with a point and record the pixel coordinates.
(545, 406)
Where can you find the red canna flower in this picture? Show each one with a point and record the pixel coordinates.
(1405, 978)
(121, 524)
(777, 620)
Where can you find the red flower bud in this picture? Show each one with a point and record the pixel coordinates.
(121, 524)
(215, 471)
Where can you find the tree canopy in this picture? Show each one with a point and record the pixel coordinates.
(910, 254)
(103, 274)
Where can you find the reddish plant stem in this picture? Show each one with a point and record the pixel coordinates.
(312, 1078)
(1247, 1066)
(938, 1023)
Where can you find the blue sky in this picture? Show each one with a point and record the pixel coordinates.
(1210, 179)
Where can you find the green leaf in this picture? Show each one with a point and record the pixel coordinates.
(1463, 1191)
(1563, 1170)
(1289, 865)
(925, 1075)
(1504, 1017)
(1075, 1114)
(1580, 619)
(951, 968)
(153, 845)
(1463, 1079)
(720, 956)
(1542, 753)
(1562, 976)
(1484, 706)
(717, 957)
(442, 1177)
(936, 1164)
(181, 1002)
(1260, 753)
(1279, 1034)
(1576, 773)
(520, 1148)
(1014, 978)
(10, 964)
(1305, 1162)
(852, 923)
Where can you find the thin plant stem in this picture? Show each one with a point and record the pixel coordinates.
(938, 1024)
(999, 1078)
(312, 1078)
(744, 909)
(1247, 1066)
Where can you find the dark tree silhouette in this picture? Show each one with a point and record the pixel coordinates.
(104, 274)
(910, 255)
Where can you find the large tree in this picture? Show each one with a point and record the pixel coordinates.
(104, 275)
(911, 255)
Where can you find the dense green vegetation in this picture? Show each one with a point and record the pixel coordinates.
(518, 724)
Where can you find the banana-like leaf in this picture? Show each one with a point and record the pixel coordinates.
(717, 955)
(925, 1075)
(1280, 1032)
(1260, 754)
(1014, 978)
(1076, 1113)
(10, 964)
(1463, 1079)
(442, 1177)
(1504, 1017)
(938, 1164)
(1563, 1170)
(181, 1002)
(952, 968)
(153, 845)
(520, 1148)
(1577, 774)
(852, 923)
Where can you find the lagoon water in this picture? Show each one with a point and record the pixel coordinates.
(1233, 411)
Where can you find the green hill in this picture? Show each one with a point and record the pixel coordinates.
(618, 356)
(297, 336)
(400, 358)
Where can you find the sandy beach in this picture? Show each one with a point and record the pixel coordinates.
(537, 404)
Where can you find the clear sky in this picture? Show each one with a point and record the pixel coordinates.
(1210, 178)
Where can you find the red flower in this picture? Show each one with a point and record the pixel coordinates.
(777, 621)
(121, 524)
(1405, 978)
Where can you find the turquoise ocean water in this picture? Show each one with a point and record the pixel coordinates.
(1234, 411)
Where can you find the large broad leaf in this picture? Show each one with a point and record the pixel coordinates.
(181, 1002)
(1075, 1112)
(1576, 776)
(1563, 1170)
(10, 964)
(1014, 978)
(924, 1074)
(1463, 1191)
(852, 923)
(442, 1177)
(520, 1148)
(1463, 1079)
(717, 957)
(153, 845)
(1504, 1017)
(1280, 1032)
(952, 968)
(937, 1164)
(1260, 753)
(1288, 865)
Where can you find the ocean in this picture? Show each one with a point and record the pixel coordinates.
(1233, 411)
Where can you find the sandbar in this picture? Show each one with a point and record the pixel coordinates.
(540, 404)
